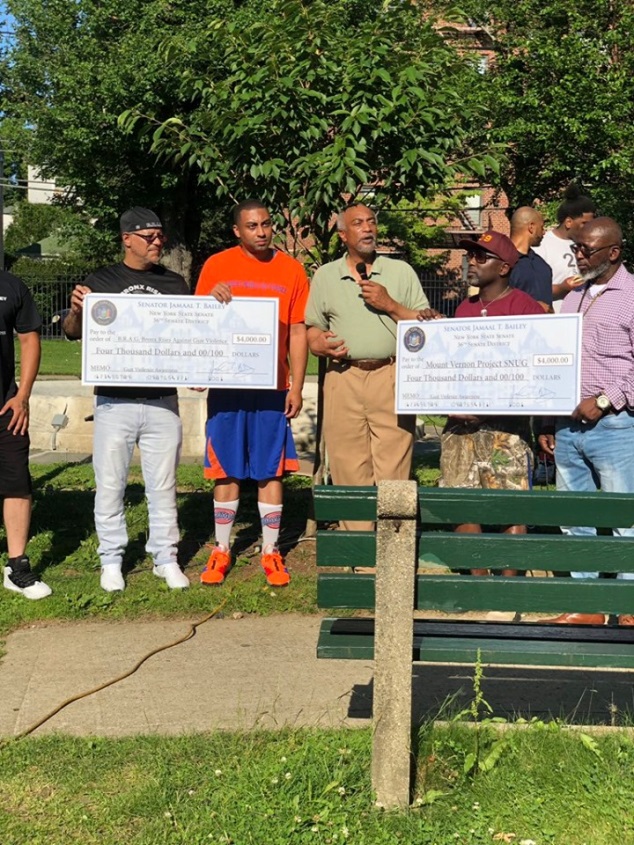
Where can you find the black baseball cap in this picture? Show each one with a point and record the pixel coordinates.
(139, 218)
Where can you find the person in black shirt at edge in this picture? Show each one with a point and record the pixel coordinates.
(125, 416)
(17, 313)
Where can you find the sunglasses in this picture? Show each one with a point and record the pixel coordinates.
(586, 251)
(149, 239)
(481, 257)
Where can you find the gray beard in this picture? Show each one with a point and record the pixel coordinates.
(367, 253)
(591, 275)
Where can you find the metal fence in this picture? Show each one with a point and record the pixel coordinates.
(445, 293)
(52, 298)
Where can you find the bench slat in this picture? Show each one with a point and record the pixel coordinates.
(335, 503)
(442, 506)
(457, 593)
(525, 507)
(554, 552)
(526, 595)
(343, 646)
(492, 650)
(345, 590)
(346, 548)
(468, 628)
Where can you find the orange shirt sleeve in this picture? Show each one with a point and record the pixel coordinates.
(299, 298)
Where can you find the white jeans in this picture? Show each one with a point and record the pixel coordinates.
(155, 426)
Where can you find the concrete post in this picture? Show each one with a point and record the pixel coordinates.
(396, 561)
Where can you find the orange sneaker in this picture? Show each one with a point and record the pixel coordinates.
(218, 565)
(274, 569)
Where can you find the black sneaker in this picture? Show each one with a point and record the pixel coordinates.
(19, 578)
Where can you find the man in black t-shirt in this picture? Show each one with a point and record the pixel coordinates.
(125, 416)
(17, 313)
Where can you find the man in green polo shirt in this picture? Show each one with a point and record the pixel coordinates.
(353, 307)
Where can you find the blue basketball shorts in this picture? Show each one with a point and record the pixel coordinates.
(247, 435)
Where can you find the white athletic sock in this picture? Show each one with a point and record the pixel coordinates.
(270, 516)
(224, 517)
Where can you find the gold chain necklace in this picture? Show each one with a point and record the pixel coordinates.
(594, 299)
(484, 312)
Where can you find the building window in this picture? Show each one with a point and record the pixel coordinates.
(473, 209)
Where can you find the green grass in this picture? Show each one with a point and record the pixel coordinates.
(59, 358)
(551, 786)
(63, 548)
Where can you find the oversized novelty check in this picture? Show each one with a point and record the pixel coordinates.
(189, 341)
(496, 365)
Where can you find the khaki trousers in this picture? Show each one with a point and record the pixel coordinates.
(365, 440)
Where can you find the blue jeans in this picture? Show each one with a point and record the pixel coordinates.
(596, 456)
(155, 426)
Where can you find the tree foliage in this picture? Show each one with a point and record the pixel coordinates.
(413, 229)
(31, 223)
(561, 96)
(70, 69)
(307, 104)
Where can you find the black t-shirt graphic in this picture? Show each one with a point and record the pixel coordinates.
(119, 278)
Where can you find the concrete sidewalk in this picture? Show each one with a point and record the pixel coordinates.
(253, 672)
(233, 674)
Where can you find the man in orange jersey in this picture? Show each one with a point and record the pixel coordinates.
(248, 431)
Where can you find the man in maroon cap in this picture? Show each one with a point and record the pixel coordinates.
(489, 452)
(491, 259)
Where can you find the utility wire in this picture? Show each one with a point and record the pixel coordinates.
(192, 631)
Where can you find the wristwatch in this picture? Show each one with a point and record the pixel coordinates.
(603, 402)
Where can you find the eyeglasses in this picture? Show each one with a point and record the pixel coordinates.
(149, 239)
(481, 257)
(587, 252)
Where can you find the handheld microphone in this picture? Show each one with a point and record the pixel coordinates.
(362, 271)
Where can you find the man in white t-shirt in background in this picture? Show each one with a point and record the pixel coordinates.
(572, 215)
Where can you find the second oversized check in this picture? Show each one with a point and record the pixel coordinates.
(193, 341)
(496, 365)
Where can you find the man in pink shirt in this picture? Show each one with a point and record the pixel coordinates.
(595, 445)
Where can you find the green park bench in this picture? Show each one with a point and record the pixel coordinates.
(415, 530)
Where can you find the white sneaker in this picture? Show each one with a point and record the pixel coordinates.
(112, 578)
(174, 576)
(20, 579)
